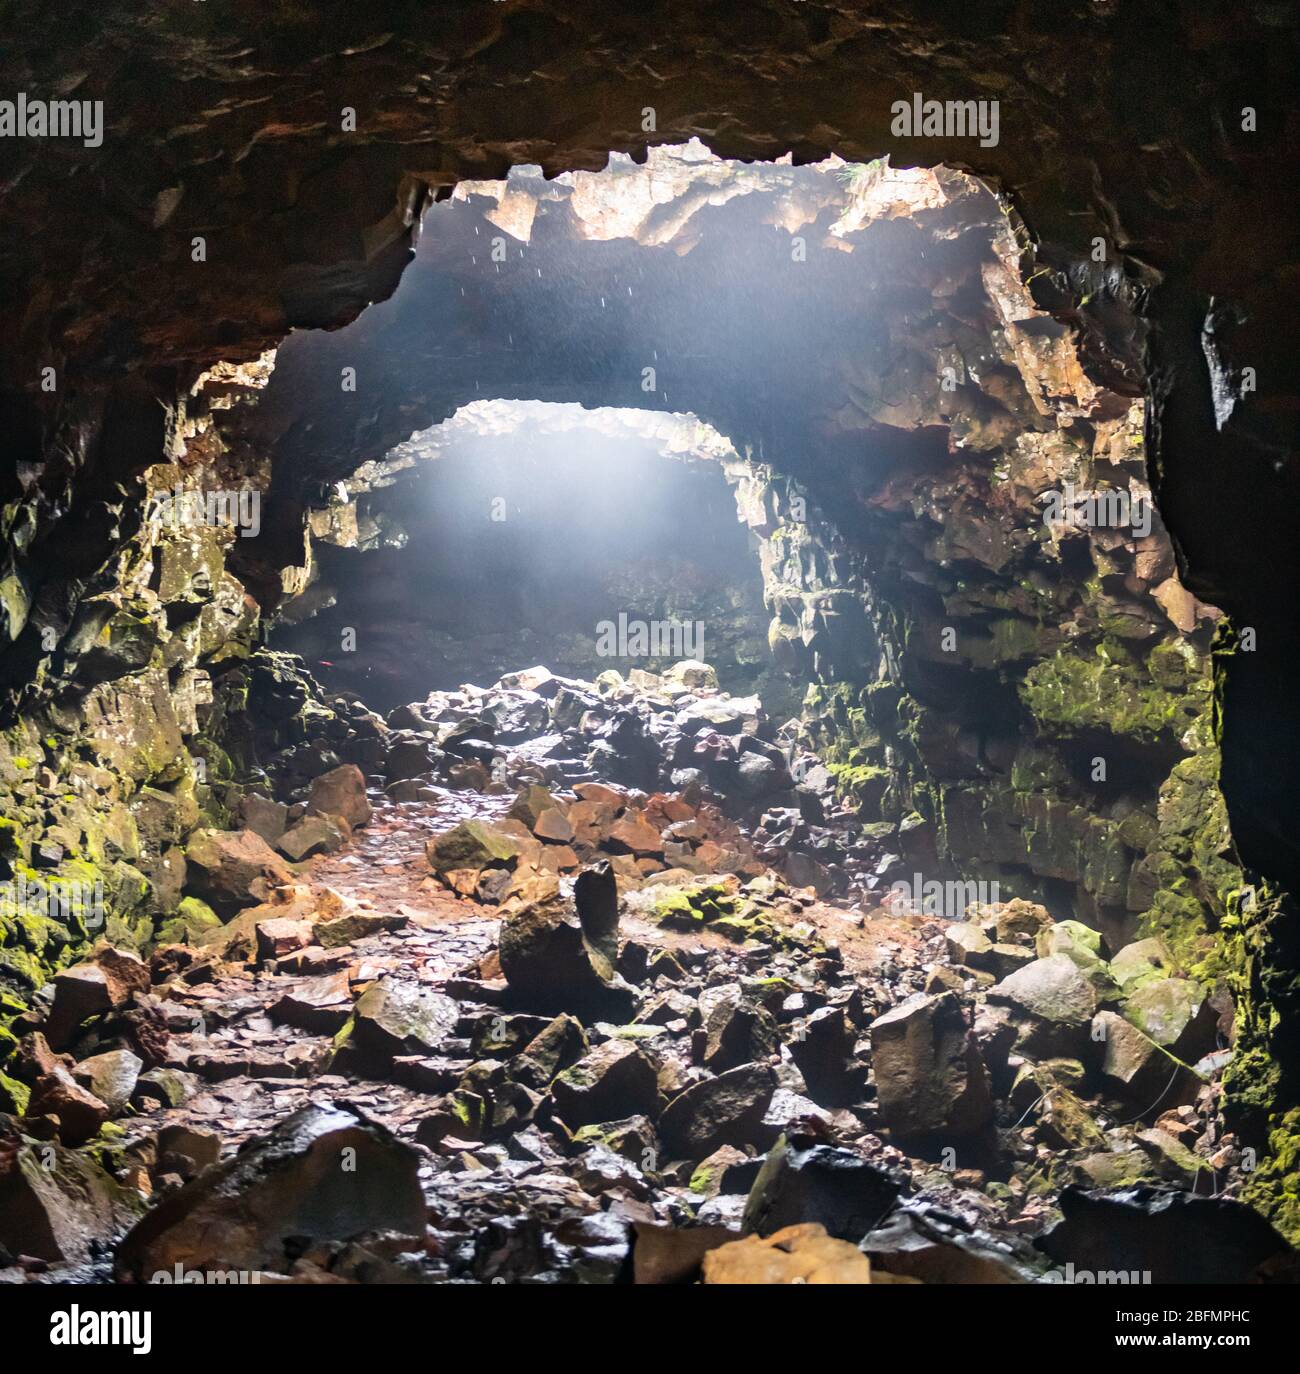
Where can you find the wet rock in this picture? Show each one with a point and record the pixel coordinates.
(79, 993)
(56, 1204)
(111, 1077)
(726, 1171)
(396, 1017)
(802, 1181)
(928, 1071)
(558, 957)
(1165, 1236)
(340, 792)
(320, 1006)
(324, 1174)
(201, 1148)
(350, 924)
(634, 1138)
(283, 935)
(561, 1043)
(614, 1080)
(230, 869)
(725, 1110)
(409, 754)
(795, 1254)
(822, 1049)
(916, 1242)
(734, 1030)
(163, 1087)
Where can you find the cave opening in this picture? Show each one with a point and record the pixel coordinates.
(517, 534)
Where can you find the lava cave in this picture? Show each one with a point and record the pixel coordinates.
(649, 652)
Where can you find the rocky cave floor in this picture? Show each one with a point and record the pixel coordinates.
(543, 1004)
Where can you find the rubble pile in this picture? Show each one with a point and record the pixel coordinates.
(519, 1019)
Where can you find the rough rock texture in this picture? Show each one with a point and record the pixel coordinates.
(324, 1174)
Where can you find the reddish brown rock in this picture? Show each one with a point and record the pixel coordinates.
(635, 835)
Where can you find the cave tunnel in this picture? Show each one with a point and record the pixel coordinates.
(699, 687)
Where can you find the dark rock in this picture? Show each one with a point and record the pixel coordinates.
(311, 835)
(395, 1017)
(802, 1182)
(111, 1077)
(918, 1243)
(726, 1110)
(262, 816)
(56, 1204)
(1165, 1236)
(614, 1080)
(79, 1111)
(929, 1075)
(324, 1174)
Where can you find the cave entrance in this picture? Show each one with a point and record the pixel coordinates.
(520, 533)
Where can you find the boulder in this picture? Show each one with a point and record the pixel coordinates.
(325, 1174)
(822, 1049)
(558, 956)
(111, 1077)
(929, 1075)
(919, 1243)
(803, 1181)
(1054, 1003)
(1162, 1235)
(395, 1017)
(340, 792)
(312, 835)
(1176, 1014)
(1137, 1070)
(57, 1204)
(735, 1030)
(79, 992)
(614, 1080)
(690, 675)
(471, 844)
(230, 869)
(263, 816)
(80, 1112)
(725, 1110)
(796, 1254)
(1141, 962)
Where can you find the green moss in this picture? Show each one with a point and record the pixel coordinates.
(1108, 690)
(14, 1095)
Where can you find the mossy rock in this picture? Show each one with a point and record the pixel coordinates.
(193, 917)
